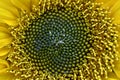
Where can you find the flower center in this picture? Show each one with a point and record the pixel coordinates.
(58, 41)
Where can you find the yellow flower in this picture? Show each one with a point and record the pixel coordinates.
(59, 39)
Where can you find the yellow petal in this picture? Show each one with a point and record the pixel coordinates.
(5, 14)
(5, 42)
(4, 35)
(22, 4)
(110, 79)
(6, 76)
(111, 76)
(4, 51)
(8, 13)
(27, 3)
(117, 16)
(107, 3)
(115, 12)
(3, 71)
(7, 5)
(3, 66)
(117, 68)
(114, 7)
(34, 2)
(4, 26)
(7, 17)
(11, 22)
(3, 29)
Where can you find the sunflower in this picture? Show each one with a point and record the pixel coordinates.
(59, 40)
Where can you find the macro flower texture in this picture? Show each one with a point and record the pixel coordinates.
(59, 40)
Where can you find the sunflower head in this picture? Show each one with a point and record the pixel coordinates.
(59, 40)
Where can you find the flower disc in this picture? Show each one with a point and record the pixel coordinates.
(58, 41)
